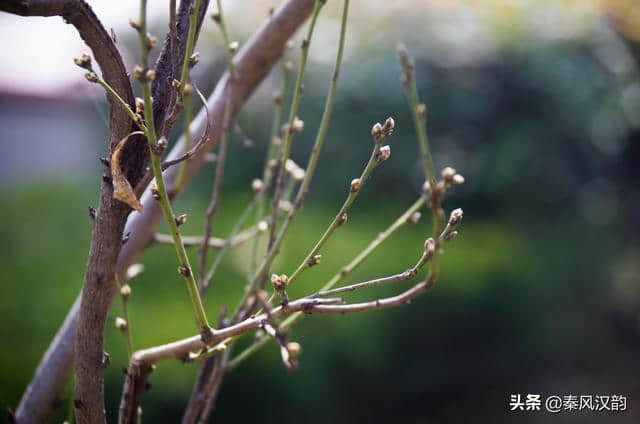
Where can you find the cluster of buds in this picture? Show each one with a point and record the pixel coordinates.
(295, 128)
(450, 176)
(296, 172)
(143, 75)
(382, 132)
(279, 282)
(84, 62)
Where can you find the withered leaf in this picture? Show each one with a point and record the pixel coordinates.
(122, 190)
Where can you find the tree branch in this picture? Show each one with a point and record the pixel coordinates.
(253, 61)
(106, 240)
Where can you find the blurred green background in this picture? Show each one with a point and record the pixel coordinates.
(537, 104)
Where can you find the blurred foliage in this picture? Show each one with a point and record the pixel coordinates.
(539, 293)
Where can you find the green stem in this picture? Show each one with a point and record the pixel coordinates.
(346, 270)
(187, 142)
(188, 51)
(267, 174)
(338, 220)
(163, 196)
(286, 149)
(120, 102)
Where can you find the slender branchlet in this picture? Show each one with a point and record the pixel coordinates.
(292, 124)
(376, 158)
(274, 144)
(404, 219)
(85, 62)
(161, 194)
(205, 279)
(315, 153)
(124, 324)
(418, 110)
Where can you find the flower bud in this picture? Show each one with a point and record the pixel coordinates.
(121, 324)
(455, 217)
(194, 59)
(285, 206)
(429, 247)
(343, 219)
(138, 72)
(384, 154)
(187, 90)
(91, 77)
(288, 66)
(314, 261)
(134, 270)
(448, 174)
(216, 17)
(150, 75)
(135, 24)
(233, 46)
(277, 97)
(181, 219)
(294, 349)
(139, 105)
(415, 217)
(356, 184)
(298, 125)
(83, 61)
(388, 127)
(163, 143)
(421, 109)
(426, 187)
(125, 291)
(376, 131)
(263, 226)
(257, 185)
(152, 41)
(457, 179)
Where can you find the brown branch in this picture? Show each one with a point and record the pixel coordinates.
(252, 62)
(88, 315)
(180, 349)
(214, 242)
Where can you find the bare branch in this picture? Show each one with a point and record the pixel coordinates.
(253, 62)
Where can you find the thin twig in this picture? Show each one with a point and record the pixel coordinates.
(162, 195)
(403, 220)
